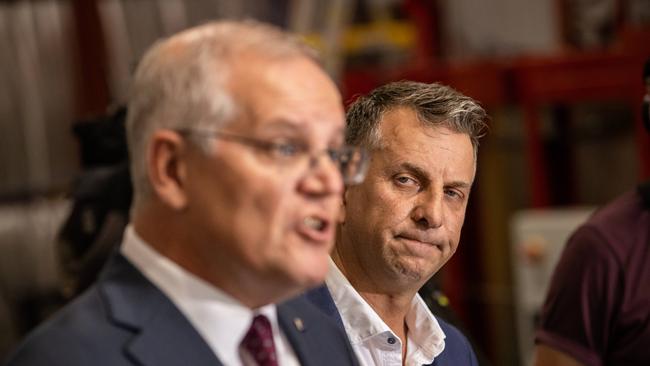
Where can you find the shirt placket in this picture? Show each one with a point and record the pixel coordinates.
(392, 349)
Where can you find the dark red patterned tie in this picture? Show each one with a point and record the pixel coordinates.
(259, 342)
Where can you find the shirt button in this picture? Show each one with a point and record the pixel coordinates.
(391, 340)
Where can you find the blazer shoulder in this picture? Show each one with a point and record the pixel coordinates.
(71, 336)
(458, 350)
(321, 298)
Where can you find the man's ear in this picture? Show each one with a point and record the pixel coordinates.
(167, 168)
(341, 217)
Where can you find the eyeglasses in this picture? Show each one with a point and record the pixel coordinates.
(351, 161)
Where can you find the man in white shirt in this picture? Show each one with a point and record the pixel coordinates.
(238, 161)
(403, 223)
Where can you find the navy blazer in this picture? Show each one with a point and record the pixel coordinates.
(125, 320)
(457, 352)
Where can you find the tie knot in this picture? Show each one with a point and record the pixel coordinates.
(259, 342)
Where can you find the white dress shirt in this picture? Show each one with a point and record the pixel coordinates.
(220, 319)
(372, 340)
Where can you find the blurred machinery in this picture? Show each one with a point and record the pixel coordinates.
(29, 269)
(538, 237)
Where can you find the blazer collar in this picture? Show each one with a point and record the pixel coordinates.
(162, 336)
(161, 333)
(297, 330)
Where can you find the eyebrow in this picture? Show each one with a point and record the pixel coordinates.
(459, 184)
(422, 174)
(281, 125)
(287, 125)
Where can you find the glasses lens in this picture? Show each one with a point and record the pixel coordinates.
(353, 164)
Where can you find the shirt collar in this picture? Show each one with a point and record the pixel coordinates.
(361, 322)
(203, 305)
(359, 319)
(424, 329)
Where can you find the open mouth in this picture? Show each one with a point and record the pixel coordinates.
(314, 223)
(316, 229)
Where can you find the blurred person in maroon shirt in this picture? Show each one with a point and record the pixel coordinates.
(597, 310)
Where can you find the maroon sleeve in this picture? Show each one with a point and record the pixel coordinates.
(581, 301)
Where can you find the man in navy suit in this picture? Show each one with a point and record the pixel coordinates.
(403, 223)
(238, 162)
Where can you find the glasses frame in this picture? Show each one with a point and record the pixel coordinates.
(335, 155)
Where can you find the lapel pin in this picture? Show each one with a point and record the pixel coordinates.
(299, 324)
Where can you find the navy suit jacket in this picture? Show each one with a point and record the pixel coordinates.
(458, 351)
(125, 320)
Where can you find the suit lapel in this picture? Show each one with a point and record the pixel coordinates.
(162, 334)
(297, 331)
(313, 339)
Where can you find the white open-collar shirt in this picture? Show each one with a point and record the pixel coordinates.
(372, 340)
(220, 319)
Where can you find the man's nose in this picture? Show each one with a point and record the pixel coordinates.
(323, 176)
(428, 212)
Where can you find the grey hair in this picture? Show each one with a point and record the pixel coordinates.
(182, 83)
(434, 104)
